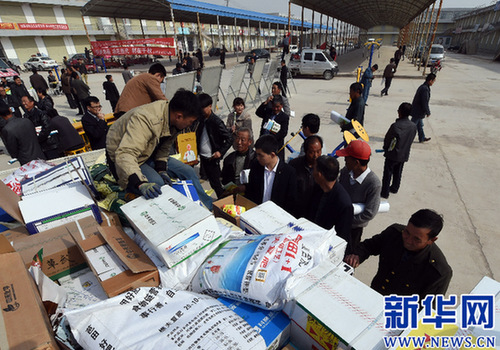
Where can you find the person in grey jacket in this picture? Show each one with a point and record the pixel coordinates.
(397, 144)
(420, 106)
(362, 184)
(81, 89)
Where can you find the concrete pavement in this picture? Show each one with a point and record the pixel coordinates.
(456, 173)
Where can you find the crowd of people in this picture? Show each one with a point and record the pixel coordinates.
(313, 185)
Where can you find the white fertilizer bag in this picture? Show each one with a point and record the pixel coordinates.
(159, 318)
(260, 269)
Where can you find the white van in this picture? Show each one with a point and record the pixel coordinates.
(313, 62)
(436, 54)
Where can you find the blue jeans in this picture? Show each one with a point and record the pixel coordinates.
(419, 122)
(366, 92)
(177, 169)
(148, 170)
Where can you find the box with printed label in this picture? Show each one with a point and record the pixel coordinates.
(187, 188)
(61, 255)
(25, 324)
(119, 264)
(273, 326)
(237, 200)
(174, 225)
(265, 219)
(50, 208)
(358, 320)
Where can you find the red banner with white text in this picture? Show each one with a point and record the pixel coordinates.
(153, 46)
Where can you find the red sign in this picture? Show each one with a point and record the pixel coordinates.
(134, 50)
(43, 26)
(152, 41)
(7, 26)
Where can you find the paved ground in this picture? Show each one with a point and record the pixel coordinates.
(456, 173)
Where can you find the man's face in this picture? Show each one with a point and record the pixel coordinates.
(160, 77)
(207, 111)
(239, 108)
(431, 82)
(2, 92)
(350, 162)
(18, 81)
(353, 94)
(27, 103)
(242, 142)
(263, 158)
(416, 238)
(313, 153)
(94, 108)
(277, 108)
(181, 122)
(275, 90)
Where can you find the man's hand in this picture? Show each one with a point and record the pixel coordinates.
(150, 190)
(101, 116)
(352, 260)
(428, 115)
(165, 177)
(216, 155)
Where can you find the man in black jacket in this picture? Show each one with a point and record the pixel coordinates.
(410, 262)
(37, 81)
(40, 119)
(270, 178)
(397, 144)
(112, 94)
(94, 124)
(420, 106)
(240, 159)
(18, 90)
(356, 109)
(20, 137)
(214, 140)
(68, 137)
(274, 121)
(10, 101)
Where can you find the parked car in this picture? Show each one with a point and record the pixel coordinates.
(6, 71)
(294, 49)
(214, 51)
(313, 62)
(89, 65)
(436, 54)
(259, 53)
(40, 63)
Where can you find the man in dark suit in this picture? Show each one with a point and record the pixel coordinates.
(240, 159)
(274, 121)
(10, 101)
(94, 124)
(18, 90)
(112, 94)
(37, 81)
(270, 178)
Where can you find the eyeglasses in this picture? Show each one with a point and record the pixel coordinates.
(96, 107)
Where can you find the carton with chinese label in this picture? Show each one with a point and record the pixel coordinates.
(265, 219)
(187, 188)
(25, 324)
(118, 262)
(61, 255)
(50, 208)
(273, 326)
(174, 225)
(238, 200)
(358, 320)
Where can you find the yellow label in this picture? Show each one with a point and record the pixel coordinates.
(319, 333)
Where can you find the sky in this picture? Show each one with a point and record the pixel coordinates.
(281, 6)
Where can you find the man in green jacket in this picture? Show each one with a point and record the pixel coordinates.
(138, 144)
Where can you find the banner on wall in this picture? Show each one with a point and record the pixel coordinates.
(162, 46)
(42, 26)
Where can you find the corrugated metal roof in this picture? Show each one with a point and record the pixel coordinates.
(369, 13)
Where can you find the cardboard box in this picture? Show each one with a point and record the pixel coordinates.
(265, 219)
(71, 171)
(273, 326)
(333, 308)
(238, 200)
(51, 208)
(61, 255)
(141, 271)
(175, 226)
(25, 324)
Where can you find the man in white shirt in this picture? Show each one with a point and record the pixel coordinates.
(270, 178)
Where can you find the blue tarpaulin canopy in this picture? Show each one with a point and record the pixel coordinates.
(186, 11)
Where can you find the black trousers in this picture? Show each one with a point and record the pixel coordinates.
(213, 172)
(392, 170)
(356, 233)
(388, 82)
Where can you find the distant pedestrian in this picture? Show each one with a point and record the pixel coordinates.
(284, 76)
(37, 81)
(81, 91)
(420, 106)
(389, 71)
(223, 56)
(199, 54)
(196, 61)
(286, 46)
(403, 53)
(397, 55)
(126, 74)
(83, 70)
(366, 80)
(112, 94)
(87, 55)
(66, 87)
(397, 144)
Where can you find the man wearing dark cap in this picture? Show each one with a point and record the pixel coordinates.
(362, 185)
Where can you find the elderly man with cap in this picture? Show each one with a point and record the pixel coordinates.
(362, 185)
